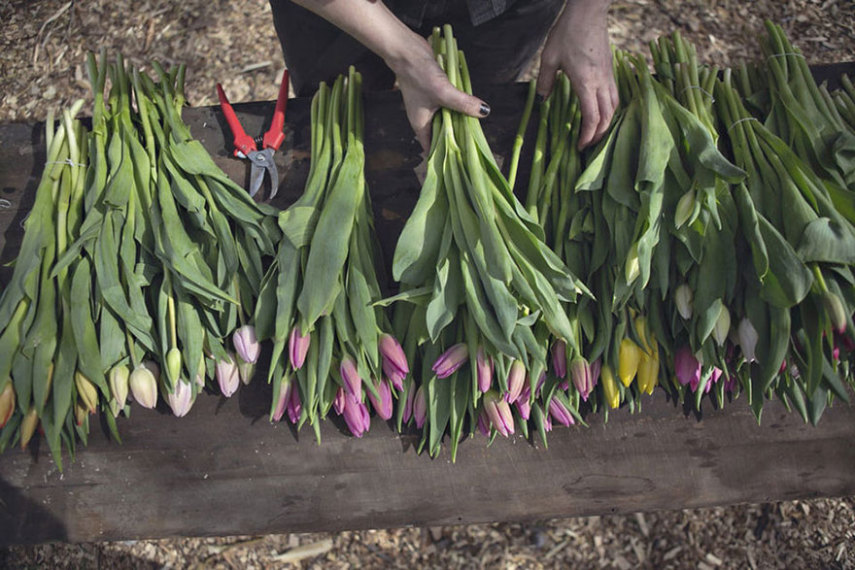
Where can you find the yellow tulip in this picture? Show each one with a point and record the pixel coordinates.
(629, 357)
(610, 389)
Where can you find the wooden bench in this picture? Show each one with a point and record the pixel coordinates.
(225, 470)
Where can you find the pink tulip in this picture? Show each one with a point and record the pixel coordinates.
(228, 376)
(383, 405)
(523, 403)
(298, 346)
(408, 404)
(484, 366)
(394, 361)
(294, 406)
(181, 399)
(581, 373)
(350, 377)
(516, 380)
(484, 423)
(282, 398)
(687, 368)
(560, 412)
(246, 344)
(451, 360)
(499, 412)
(356, 416)
(420, 408)
(340, 400)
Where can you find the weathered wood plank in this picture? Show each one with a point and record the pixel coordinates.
(224, 470)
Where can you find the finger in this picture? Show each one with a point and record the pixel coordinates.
(546, 78)
(606, 111)
(590, 118)
(457, 100)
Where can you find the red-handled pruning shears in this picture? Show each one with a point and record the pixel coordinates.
(245, 146)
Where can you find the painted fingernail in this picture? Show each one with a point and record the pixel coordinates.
(484, 109)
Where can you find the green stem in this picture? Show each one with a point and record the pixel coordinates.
(520, 138)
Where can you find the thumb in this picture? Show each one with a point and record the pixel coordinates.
(546, 78)
(456, 100)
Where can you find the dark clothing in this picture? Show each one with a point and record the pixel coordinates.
(499, 38)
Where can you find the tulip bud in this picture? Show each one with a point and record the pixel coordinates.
(419, 408)
(547, 423)
(580, 373)
(559, 358)
(7, 403)
(201, 372)
(298, 346)
(685, 208)
(294, 405)
(81, 414)
(499, 412)
(747, 339)
(484, 423)
(340, 400)
(86, 391)
(408, 404)
(523, 403)
(28, 426)
(246, 344)
(629, 357)
(181, 398)
(246, 370)
(394, 361)
(484, 365)
(143, 383)
(610, 389)
(648, 372)
(722, 326)
(356, 416)
(382, 405)
(595, 374)
(632, 269)
(715, 376)
(228, 375)
(516, 380)
(687, 368)
(282, 398)
(119, 378)
(560, 412)
(173, 365)
(451, 360)
(350, 377)
(835, 311)
(683, 298)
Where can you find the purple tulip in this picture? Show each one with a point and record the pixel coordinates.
(499, 412)
(228, 376)
(181, 399)
(246, 344)
(516, 380)
(559, 358)
(340, 400)
(394, 361)
(350, 377)
(294, 405)
(560, 412)
(419, 408)
(298, 346)
(484, 366)
(408, 404)
(582, 374)
(282, 398)
(540, 382)
(547, 423)
(383, 405)
(451, 360)
(484, 423)
(687, 368)
(356, 416)
(523, 403)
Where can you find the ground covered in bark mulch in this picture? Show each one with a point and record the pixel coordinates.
(42, 53)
